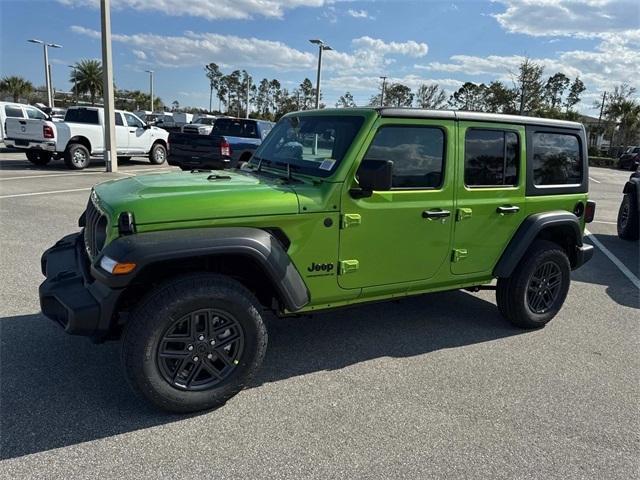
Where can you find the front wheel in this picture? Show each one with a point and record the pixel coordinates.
(538, 287)
(194, 343)
(158, 154)
(627, 224)
(39, 158)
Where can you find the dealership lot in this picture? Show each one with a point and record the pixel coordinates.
(436, 386)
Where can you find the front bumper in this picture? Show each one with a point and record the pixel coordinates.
(70, 296)
(583, 255)
(30, 144)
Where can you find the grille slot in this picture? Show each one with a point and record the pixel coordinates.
(95, 230)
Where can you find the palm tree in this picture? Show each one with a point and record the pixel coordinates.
(16, 87)
(87, 75)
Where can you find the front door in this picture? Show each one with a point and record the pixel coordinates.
(401, 235)
(490, 194)
(139, 137)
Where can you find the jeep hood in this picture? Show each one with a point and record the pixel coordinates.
(185, 196)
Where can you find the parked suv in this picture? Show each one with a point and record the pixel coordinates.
(628, 224)
(336, 208)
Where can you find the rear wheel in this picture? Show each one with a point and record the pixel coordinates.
(538, 287)
(194, 343)
(627, 224)
(77, 156)
(39, 158)
(158, 154)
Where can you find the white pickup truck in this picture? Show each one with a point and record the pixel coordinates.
(81, 137)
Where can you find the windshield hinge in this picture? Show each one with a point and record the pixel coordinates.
(348, 266)
(350, 220)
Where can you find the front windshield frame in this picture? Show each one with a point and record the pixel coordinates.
(316, 144)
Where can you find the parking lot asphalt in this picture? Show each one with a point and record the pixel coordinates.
(438, 386)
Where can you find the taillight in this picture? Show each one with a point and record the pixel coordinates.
(225, 148)
(47, 131)
(590, 211)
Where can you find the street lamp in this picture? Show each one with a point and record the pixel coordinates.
(47, 68)
(75, 82)
(150, 72)
(321, 47)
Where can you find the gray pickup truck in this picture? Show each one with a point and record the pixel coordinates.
(230, 143)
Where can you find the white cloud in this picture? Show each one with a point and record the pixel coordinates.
(372, 84)
(209, 9)
(139, 54)
(583, 18)
(358, 13)
(410, 48)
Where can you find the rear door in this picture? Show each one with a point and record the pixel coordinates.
(122, 134)
(490, 193)
(401, 235)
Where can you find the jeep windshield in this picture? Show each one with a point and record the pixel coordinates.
(307, 144)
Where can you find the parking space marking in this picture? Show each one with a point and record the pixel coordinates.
(44, 193)
(594, 180)
(606, 223)
(47, 175)
(621, 266)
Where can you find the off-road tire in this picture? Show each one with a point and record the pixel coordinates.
(39, 158)
(627, 223)
(512, 293)
(154, 315)
(77, 157)
(158, 154)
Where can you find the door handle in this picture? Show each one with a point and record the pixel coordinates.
(132, 131)
(433, 214)
(508, 209)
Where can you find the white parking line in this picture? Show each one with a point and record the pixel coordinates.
(621, 266)
(606, 223)
(594, 180)
(44, 193)
(123, 172)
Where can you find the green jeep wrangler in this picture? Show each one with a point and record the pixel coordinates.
(336, 208)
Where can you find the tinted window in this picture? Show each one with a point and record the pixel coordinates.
(490, 158)
(557, 159)
(133, 121)
(310, 144)
(14, 112)
(235, 128)
(417, 154)
(33, 113)
(82, 115)
(119, 119)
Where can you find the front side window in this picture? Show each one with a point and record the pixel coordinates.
(312, 144)
(133, 121)
(557, 159)
(491, 158)
(37, 114)
(13, 112)
(417, 154)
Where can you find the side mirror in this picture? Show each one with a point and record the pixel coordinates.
(373, 175)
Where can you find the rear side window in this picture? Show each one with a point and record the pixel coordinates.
(37, 114)
(82, 115)
(491, 158)
(417, 154)
(557, 159)
(13, 112)
(119, 119)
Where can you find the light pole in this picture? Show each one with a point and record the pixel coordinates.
(110, 146)
(150, 72)
(321, 47)
(384, 84)
(75, 82)
(47, 70)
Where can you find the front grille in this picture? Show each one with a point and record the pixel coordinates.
(95, 230)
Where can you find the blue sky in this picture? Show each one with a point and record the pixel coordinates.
(412, 41)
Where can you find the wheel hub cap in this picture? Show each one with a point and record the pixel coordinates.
(544, 287)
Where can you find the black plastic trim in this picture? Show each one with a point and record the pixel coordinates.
(145, 249)
(526, 234)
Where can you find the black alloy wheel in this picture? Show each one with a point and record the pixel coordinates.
(544, 287)
(200, 350)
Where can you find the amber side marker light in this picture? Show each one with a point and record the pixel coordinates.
(116, 268)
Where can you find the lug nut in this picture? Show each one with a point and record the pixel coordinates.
(213, 342)
(210, 356)
(190, 347)
(196, 358)
(201, 337)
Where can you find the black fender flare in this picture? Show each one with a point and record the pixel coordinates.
(145, 249)
(529, 229)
